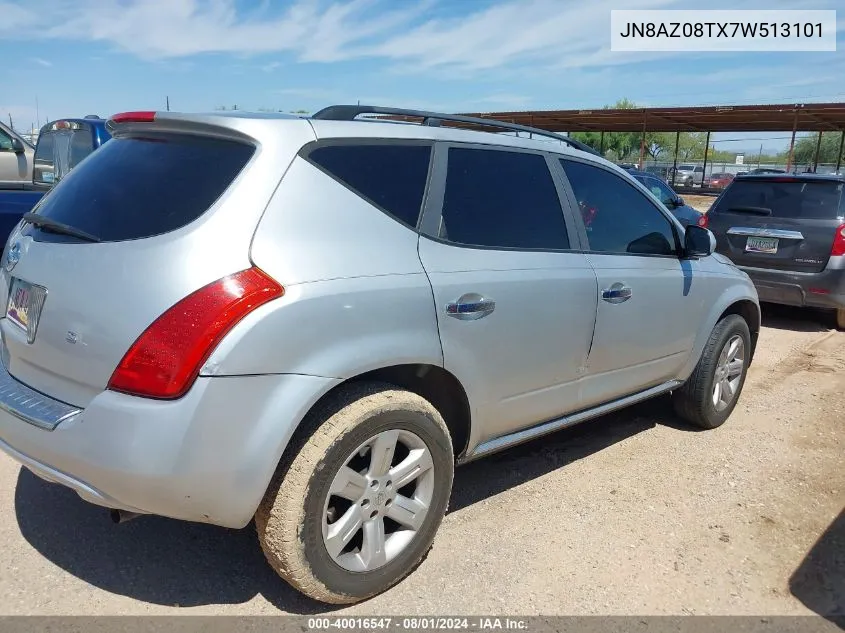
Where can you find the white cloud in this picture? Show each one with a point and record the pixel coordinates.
(42, 62)
(267, 68)
(14, 18)
(540, 35)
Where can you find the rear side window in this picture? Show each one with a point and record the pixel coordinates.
(618, 218)
(139, 187)
(502, 199)
(782, 199)
(392, 176)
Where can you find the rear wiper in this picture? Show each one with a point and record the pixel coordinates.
(752, 210)
(58, 227)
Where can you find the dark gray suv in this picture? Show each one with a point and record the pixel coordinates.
(788, 233)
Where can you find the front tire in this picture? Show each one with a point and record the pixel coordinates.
(356, 508)
(708, 398)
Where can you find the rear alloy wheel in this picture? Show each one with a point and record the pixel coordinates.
(840, 318)
(711, 392)
(355, 509)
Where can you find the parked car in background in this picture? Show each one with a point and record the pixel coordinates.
(687, 175)
(788, 233)
(671, 200)
(719, 180)
(766, 170)
(311, 320)
(16, 158)
(660, 171)
(62, 145)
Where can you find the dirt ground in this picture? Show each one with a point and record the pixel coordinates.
(633, 513)
(699, 203)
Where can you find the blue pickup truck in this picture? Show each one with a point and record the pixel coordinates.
(62, 144)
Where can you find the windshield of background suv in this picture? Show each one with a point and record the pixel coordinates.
(790, 199)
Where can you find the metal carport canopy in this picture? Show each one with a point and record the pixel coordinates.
(807, 117)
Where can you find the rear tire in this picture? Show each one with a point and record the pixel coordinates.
(341, 524)
(840, 319)
(712, 391)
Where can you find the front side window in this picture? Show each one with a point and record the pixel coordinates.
(502, 199)
(618, 217)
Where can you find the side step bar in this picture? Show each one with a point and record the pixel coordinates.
(507, 441)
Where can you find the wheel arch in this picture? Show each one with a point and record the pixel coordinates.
(736, 300)
(432, 382)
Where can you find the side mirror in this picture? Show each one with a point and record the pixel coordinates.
(17, 146)
(698, 241)
(679, 201)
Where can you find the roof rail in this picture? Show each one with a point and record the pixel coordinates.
(350, 112)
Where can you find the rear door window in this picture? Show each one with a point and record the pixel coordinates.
(502, 199)
(783, 198)
(390, 176)
(141, 186)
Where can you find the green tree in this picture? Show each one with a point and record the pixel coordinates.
(805, 148)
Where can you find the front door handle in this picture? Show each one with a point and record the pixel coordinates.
(470, 306)
(617, 293)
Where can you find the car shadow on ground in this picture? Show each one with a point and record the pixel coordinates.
(167, 562)
(491, 475)
(819, 582)
(781, 317)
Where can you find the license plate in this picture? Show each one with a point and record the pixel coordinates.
(761, 245)
(24, 306)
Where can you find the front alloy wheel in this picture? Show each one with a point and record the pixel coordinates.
(729, 373)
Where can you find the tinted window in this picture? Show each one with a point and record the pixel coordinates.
(618, 217)
(391, 177)
(661, 191)
(60, 151)
(809, 200)
(139, 187)
(81, 144)
(503, 200)
(42, 171)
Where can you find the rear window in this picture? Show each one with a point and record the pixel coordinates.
(61, 149)
(139, 187)
(391, 176)
(807, 200)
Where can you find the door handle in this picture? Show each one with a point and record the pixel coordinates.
(617, 293)
(470, 306)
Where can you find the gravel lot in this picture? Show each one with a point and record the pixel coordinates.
(633, 513)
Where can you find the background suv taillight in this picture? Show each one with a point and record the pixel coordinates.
(839, 241)
(166, 359)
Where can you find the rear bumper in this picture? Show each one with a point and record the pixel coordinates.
(207, 457)
(825, 289)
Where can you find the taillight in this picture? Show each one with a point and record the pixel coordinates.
(703, 221)
(134, 117)
(839, 241)
(165, 360)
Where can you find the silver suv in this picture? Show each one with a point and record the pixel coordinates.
(310, 321)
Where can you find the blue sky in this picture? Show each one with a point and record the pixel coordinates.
(104, 56)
